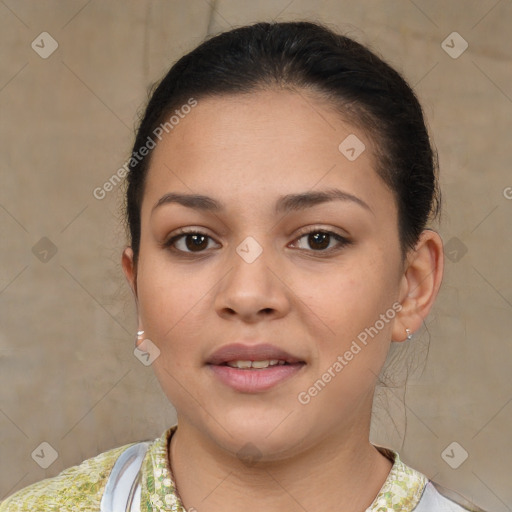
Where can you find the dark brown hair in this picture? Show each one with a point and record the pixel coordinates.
(306, 56)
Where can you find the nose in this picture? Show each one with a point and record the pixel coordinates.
(252, 290)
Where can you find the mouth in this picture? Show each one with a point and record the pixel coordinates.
(254, 379)
(258, 365)
(253, 368)
(260, 356)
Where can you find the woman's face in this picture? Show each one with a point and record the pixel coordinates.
(256, 277)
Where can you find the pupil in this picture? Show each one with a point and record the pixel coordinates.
(324, 239)
(194, 245)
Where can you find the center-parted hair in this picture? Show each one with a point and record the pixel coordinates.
(305, 56)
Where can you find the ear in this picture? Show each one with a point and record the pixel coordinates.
(130, 272)
(129, 269)
(420, 283)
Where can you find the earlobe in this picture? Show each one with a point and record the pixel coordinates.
(420, 284)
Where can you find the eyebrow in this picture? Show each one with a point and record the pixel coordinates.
(285, 204)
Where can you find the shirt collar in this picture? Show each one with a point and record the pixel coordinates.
(402, 489)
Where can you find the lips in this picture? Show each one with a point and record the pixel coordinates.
(240, 352)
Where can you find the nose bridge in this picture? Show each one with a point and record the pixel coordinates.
(251, 287)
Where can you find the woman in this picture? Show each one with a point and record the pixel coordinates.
(279, 190)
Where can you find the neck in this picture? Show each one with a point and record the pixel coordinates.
(343, 471)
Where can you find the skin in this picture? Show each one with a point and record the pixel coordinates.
(246, 151)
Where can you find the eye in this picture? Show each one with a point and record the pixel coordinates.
(320, 240)
(194, 241)
(188, 242)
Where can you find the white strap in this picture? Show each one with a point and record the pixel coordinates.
(433, 501)
(122, 492)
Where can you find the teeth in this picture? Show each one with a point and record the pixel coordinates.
(255, 364)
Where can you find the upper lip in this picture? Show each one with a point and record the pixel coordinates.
(240, 352)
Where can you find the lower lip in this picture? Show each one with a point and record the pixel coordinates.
(255, 380)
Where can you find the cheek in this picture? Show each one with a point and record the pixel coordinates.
(349, 301)
(166, 299)
(353, 291)
(175, 306)
(350, 353)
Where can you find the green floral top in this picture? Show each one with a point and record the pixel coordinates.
(80, 488)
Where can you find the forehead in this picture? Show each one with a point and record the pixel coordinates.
(248, 148)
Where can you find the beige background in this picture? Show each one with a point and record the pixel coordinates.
(67, 324)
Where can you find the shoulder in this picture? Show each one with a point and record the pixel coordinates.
(413, 491)
(436, 498)
(76, 488)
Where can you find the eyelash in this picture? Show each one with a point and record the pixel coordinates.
(342, 241)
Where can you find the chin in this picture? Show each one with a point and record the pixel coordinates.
(267, 438)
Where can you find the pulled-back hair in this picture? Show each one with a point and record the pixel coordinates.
(360, 86)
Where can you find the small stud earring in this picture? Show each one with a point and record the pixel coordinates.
(139, 336)
(409, 335)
